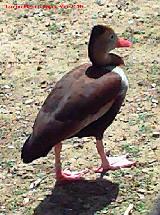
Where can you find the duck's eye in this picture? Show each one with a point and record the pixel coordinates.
(112, 37)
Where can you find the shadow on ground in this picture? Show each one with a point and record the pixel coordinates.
(79, 198)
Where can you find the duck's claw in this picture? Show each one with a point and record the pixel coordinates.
(68, 176)
(115, 163)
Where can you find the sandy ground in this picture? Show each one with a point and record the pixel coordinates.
(37, 48)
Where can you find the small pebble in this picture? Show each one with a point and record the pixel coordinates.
(141, 83)
(141, 191)
(6, 87)
(153, 85)
(154, 101)
(29, 101)
(25, 16)
(154, 148)
(156, 134)
(100, 2)
(39, 68)
(25, 201)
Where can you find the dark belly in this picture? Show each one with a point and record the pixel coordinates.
(98, 127)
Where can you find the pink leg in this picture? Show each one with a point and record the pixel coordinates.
(111, 163)
(64, 175)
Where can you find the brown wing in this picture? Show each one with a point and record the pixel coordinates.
(87, 99)
(76, 102)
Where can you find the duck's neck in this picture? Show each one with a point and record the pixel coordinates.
(99, 56)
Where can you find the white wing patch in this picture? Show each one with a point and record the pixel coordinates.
(124, 84)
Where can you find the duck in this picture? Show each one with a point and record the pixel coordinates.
(83, 103)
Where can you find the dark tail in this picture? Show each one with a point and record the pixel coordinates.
(34, 148)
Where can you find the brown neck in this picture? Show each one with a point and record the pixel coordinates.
(99, 57)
